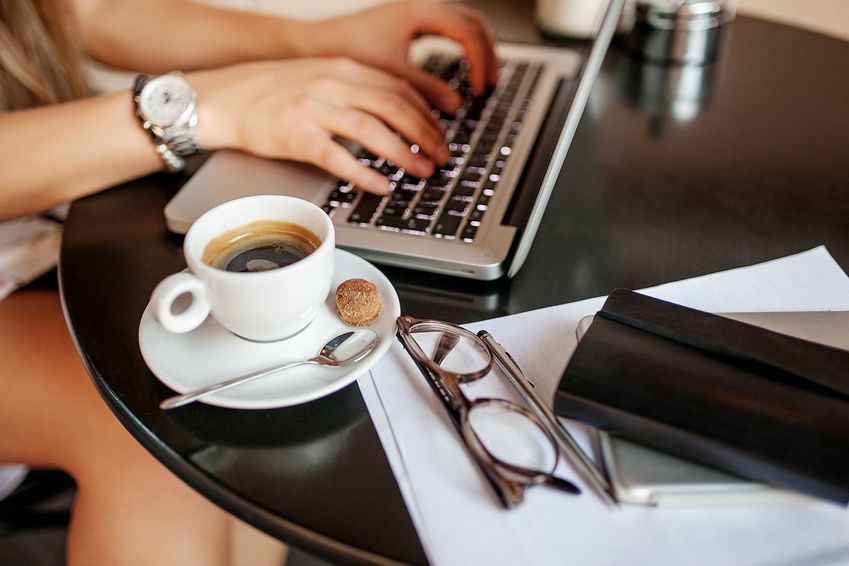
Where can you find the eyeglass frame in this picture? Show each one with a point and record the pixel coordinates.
(446, 384)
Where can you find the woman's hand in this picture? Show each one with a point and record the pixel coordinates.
(381, 37)
(293, 109)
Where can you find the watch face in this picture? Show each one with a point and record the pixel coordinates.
(165, 98)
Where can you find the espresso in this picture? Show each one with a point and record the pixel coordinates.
(260, 246)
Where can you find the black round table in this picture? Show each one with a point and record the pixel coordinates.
(668, 177)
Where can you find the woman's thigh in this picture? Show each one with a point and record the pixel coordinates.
(50, 413)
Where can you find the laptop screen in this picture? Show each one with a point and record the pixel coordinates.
(573, 95)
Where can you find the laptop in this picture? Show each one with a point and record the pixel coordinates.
(477, 216)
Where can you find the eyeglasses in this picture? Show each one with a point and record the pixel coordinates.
(511, 446)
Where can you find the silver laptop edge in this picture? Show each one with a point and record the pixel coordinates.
(228, 175)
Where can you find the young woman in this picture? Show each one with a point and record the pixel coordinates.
(265, 85)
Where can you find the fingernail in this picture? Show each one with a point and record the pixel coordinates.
(442, 153)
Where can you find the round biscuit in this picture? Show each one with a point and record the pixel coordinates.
(358, 302)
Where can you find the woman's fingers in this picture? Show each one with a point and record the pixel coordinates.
(435, 89)
(491, 68)
(358, 74)
(393, 108)
(336, 160)
(373, 134)
(472, 33)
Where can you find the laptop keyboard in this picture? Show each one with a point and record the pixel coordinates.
(452, 203)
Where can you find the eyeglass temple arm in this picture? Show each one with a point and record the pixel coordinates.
(564, 485)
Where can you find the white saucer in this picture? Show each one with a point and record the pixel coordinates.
(210, 353)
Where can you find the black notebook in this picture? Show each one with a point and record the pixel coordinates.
(734, 396)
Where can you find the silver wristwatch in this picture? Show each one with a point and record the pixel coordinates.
(167, 108)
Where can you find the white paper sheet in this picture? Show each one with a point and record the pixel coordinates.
(459, 520)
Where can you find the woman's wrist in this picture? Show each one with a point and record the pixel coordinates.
(213, 129)
(286, 39)
(283, 38)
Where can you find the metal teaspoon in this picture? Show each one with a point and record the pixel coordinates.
(329, 356)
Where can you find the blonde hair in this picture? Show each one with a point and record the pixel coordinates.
(39, 54)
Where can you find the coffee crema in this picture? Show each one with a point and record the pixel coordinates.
(262, 245)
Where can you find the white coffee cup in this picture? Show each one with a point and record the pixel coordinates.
(570, 18)
(258, 305)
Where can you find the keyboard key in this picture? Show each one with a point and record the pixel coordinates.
(417, 224)
(465, 189)
(391, 222)
(450, 69)
(480, 159)
(473, 181)
(457, 206)
(433, 194)
(468, 233)
(487, 140)
(425, 210)
(447, 225)
(341, 199)
(409, 225)
(462, 138)
(441, 178)
(365, 209)
(408, 179)
(435, 63)
(387, 170)
(400, 194)
(393, 209)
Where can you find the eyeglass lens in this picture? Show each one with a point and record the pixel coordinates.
(455, 353)
(511, 436)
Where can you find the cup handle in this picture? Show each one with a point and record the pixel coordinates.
(177, 317)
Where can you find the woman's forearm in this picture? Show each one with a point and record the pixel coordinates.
(163, 35)
(65, 151)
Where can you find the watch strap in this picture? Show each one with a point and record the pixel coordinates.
(138, 84)
(181, 137)
(173, 162)
(173, 143)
